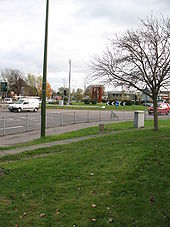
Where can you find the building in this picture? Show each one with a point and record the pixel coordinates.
(124, 95)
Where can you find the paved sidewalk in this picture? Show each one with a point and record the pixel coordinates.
(29, 136)
(45, 145)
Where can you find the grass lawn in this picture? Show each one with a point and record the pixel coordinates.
(119, 180)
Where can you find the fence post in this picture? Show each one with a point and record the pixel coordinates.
(88, 116)
(74, 117)
(27, 123)
(111, 115)
(61, 119)
(3, 125)
(46, 120)
(100, 116)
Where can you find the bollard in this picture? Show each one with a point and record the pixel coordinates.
(101, 128)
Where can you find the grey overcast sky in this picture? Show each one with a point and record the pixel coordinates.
(77, 30)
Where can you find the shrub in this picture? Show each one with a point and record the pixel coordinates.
(128, 102)
(93, 101)
(86, 101)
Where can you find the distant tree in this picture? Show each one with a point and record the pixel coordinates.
(30, 91)
(79, 94)
(49, 90)
(60, 91)
(31, 80)
(88, 91)
(15, 79)
(39, 86)
(139, 58)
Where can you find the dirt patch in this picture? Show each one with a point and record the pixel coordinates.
(4, 201)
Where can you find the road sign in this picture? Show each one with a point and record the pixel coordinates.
(4, 86)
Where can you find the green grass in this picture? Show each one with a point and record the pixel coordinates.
(85, 132)
(126, 175)
(82, 106)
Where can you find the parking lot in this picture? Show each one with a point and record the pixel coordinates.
(12, 123)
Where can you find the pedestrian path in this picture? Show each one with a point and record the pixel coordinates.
(45, 145)
(20, 138)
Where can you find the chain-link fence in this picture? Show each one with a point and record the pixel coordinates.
(17, 123)
(24, 122)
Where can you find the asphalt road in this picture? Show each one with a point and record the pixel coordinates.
(13, 123)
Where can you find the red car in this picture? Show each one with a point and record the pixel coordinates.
(163, 108)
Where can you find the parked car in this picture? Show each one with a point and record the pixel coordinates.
(24, 105)
(51, 101)
(163, 108)
(147, 104)
(7, 101)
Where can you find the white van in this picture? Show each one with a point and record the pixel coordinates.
(24, 105)
(7, 100)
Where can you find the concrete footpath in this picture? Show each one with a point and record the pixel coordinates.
(24, 137)
(45, 145)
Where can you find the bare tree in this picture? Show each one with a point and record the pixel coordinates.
(15, 80)
(138, 58)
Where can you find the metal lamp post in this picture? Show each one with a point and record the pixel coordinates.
(69, 81)
(43, 105)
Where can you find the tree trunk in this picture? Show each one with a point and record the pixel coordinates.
(155, 105)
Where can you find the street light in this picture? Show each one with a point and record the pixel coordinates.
(43, 105)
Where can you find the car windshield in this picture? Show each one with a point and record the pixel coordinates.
(19, 101)
(159, 105)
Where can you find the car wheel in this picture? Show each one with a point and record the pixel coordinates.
(19, 110)
(167, 113)
(35, 110)
(149, 113)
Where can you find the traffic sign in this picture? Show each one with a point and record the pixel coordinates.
(4, 86)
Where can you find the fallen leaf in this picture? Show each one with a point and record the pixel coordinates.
(57, 211)
(93, 219)
(110, 220)
(25, 213)
(42, 215)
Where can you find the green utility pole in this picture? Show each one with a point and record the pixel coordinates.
(43, 105)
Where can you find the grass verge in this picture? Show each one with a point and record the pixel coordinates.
(120, 180)
(82, 106)
(116, 126)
